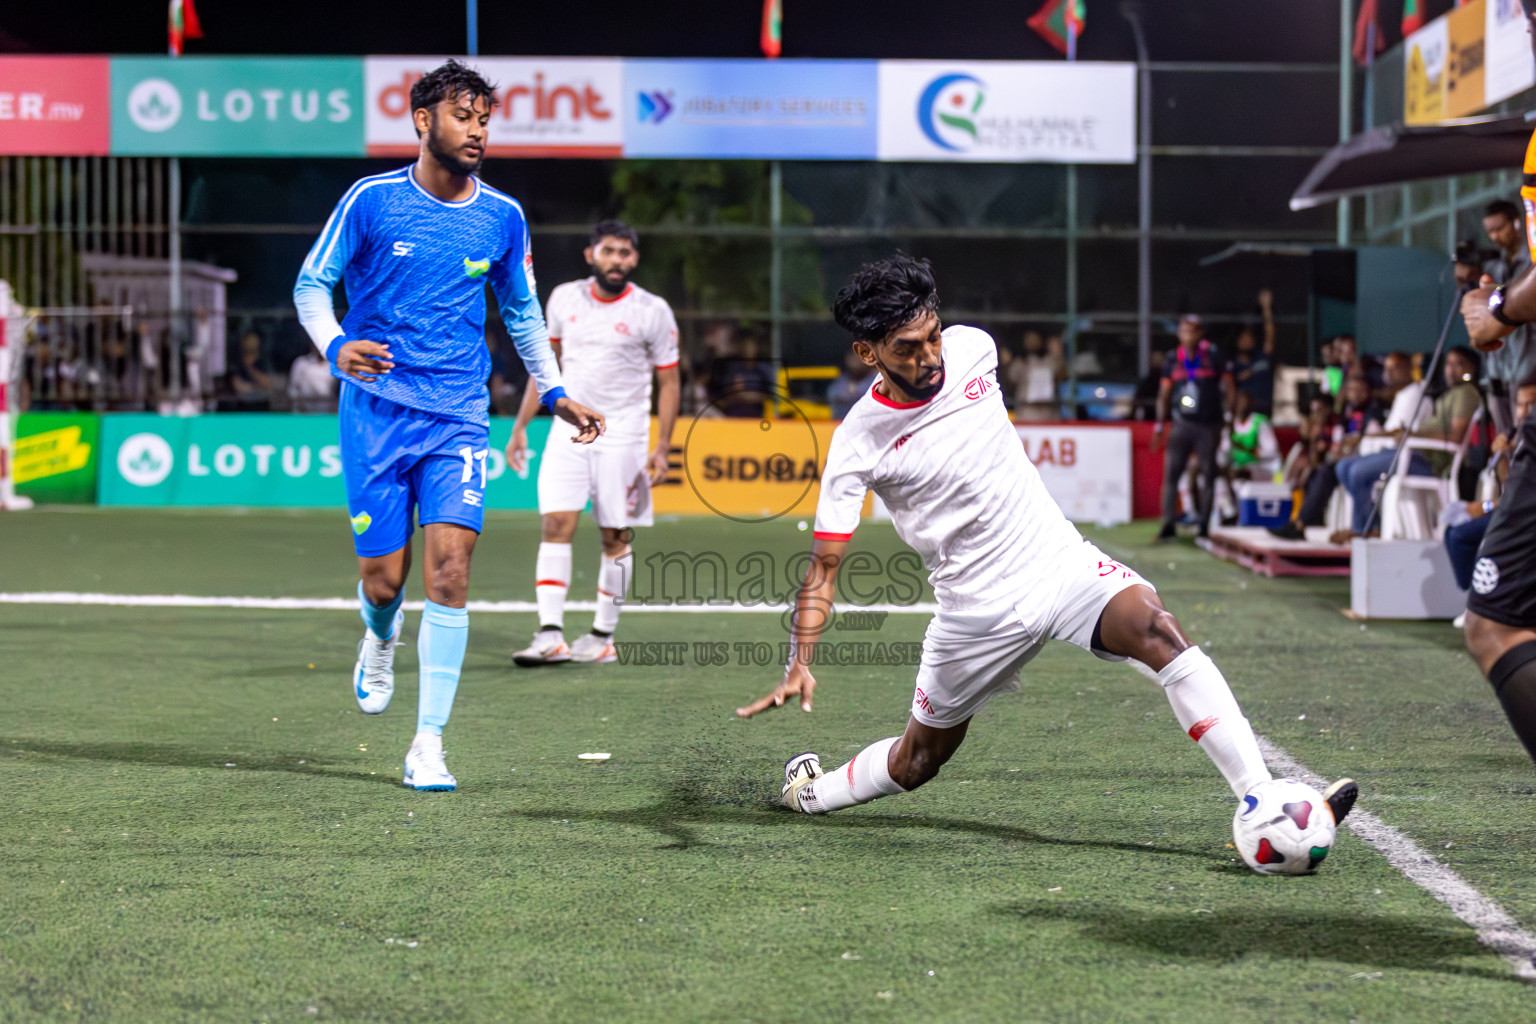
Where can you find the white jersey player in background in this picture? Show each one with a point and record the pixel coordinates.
(610, 335)
(932, 438)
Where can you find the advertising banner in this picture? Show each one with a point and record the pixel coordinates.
(1008, 111)
(56, 457)
(260, 460)
(748, 470)
(1465, 59)
(55, 106)
(237, 106)
(1424, 73)
(1087, 469)
(1507, 64)
(548, 106)
(745, 109)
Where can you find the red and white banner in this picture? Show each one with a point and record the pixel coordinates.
(1087, 469)
(55, 106)
(549, 106)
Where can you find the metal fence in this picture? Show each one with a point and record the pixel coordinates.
(1105, 256)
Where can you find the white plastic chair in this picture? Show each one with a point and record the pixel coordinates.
(1410, 505)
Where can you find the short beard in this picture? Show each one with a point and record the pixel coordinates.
(605, 284)
(919, 392)
(452, 164)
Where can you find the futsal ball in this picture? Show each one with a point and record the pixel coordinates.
(1283, 827)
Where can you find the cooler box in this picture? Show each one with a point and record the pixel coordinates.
(1263, 504)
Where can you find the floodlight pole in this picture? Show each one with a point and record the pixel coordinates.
(1346, 85)
(1132, 13)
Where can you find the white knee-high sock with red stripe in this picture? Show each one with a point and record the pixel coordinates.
(612, 584)
(551, 582)
(1206, 709)
(867, 777)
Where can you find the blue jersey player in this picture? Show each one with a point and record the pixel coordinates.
(416, 248)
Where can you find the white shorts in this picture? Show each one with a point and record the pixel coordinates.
(612, 476)
(970, 657)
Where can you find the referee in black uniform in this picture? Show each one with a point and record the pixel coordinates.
(1196, 393)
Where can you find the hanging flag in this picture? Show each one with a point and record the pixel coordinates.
(1368, 41)
(772, 38)
(1060, 22)
(182, 24)
(1413, 16)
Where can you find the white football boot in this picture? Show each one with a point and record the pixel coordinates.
(548, 648)
(373, 677)
(593, 648)
(425, 770)
(799, 771)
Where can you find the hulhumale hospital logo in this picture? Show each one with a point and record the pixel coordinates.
(947, 111)
(154, 105)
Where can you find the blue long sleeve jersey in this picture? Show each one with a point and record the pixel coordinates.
(415, 269)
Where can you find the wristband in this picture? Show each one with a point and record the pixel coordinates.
(1487, 507)
(333, 349)
(550, 397)
(1496, 308)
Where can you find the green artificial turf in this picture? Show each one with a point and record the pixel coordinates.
(202, 826)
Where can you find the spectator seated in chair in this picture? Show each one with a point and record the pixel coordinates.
(1447, 421)
(1359, 417)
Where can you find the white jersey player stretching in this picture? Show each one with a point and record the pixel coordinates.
(610, 336)
(932, 438)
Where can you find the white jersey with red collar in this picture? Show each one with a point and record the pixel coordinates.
(959, 487)
(608, 350)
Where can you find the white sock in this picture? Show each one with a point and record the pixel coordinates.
(552, 580)
(430, 742)
(1206, 709)
(867, 777)
(612, 584)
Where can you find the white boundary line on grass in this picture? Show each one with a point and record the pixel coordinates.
(1494, 927)
(349, 604)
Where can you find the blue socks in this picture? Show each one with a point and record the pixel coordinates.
(440, 645)
(380, 619)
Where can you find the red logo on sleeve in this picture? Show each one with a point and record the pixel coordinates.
(978, 387)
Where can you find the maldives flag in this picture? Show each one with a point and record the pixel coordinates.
(1060, 22)
(1413, 16)
(772, 37)
(182, 24)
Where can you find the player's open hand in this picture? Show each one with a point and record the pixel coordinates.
(589, 425)
(365, 360)
(517, 451)
(798, 681)
(1487, 334)
(658, 464)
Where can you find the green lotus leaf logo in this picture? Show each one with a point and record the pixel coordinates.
(476, 268)
(361, 522)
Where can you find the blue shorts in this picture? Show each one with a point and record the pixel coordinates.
(395, 458)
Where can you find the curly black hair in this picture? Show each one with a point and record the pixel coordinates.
(613, 229)
(885, 296)
(450, 80)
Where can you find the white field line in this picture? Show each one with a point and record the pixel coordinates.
(1494, 927)
(349, 604)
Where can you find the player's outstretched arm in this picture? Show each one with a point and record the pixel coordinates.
(813, 614)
